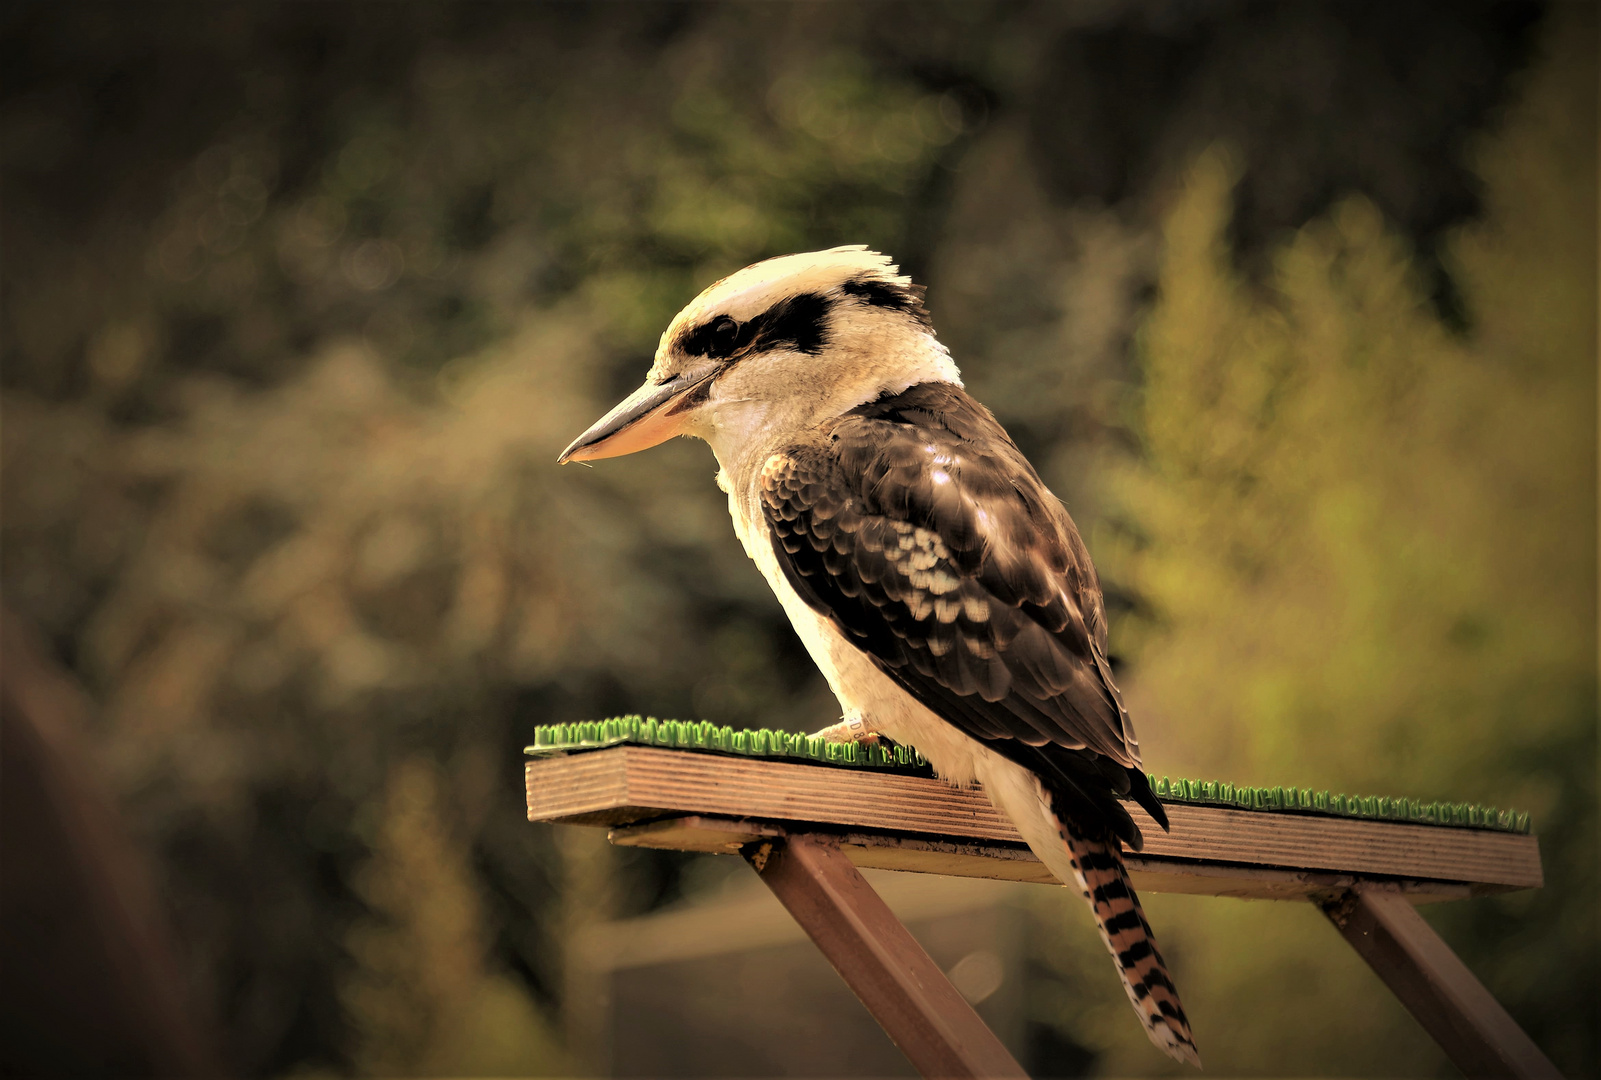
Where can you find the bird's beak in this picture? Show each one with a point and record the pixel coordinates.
(643, 419)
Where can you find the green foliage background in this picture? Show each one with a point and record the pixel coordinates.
(300, 302)
(1365, 556)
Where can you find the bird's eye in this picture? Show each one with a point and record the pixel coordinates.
(718, 338)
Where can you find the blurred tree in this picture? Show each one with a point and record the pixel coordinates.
(1367, 546)
(300, 301)
(288, 503)
(421, 1000)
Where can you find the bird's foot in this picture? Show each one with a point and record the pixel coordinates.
(853, 729)
(850, 729)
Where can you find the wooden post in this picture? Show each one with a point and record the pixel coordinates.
(907, 993)
(1435, 986)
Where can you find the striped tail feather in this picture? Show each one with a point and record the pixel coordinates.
(1100, 874)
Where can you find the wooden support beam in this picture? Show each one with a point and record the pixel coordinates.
(907, 993)
(1014, 862)
(1435, 986)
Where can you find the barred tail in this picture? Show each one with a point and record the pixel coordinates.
(1098, 869)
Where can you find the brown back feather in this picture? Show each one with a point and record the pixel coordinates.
(919, 528)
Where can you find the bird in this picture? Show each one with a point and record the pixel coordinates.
(941, 588)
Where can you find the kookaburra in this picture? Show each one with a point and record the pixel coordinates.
(939, 585)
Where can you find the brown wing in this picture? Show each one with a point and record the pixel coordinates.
(916, 525)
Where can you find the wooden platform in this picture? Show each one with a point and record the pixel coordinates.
(805, 829)
(702, 802)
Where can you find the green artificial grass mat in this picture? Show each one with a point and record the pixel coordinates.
(704, 735)
(766, 743)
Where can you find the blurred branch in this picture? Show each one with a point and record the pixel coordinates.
(588, 900)
(92, 984)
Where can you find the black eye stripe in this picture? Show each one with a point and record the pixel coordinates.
(799, 323)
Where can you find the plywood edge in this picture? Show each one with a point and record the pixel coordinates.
(583, 789)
